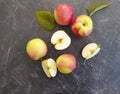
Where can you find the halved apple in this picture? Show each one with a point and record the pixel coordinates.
(60, 40)
(49, 67)
(90, 50)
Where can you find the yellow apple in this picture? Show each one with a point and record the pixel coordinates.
(36, 48)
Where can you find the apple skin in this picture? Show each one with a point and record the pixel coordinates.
(66, 63)
(82, 26)
(36, 48)
(63, 14)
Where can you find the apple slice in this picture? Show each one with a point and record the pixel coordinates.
(60, 40)
(49, 67)
(90, 50)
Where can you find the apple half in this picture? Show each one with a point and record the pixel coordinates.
(90, 50)
(60, 40)
(49, 67)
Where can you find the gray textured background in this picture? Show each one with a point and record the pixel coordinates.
(20, 75)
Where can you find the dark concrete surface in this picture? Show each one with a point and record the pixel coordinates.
(20, 75)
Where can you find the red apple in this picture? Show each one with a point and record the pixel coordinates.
(66, 63)
(63, 14)
(82, 26)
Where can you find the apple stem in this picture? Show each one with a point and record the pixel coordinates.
(99, 45)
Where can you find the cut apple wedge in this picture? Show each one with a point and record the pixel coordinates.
(90, 50)
(60, 40)
(49, 67)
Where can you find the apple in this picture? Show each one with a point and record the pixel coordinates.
(90, 50)
(60, 40)
(49, 67)
(82, 26)
(66, 63)
(63, 14)
(36, 48)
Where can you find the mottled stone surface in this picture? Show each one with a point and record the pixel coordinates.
(20, 75)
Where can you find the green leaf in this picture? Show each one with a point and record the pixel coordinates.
(45, 20)
(95, 6)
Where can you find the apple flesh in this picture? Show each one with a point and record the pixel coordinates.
(63, 14)
(60, 40)
(82, 26)
(36, 48)
(90, 50)
(49, 67)
(66, 63)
